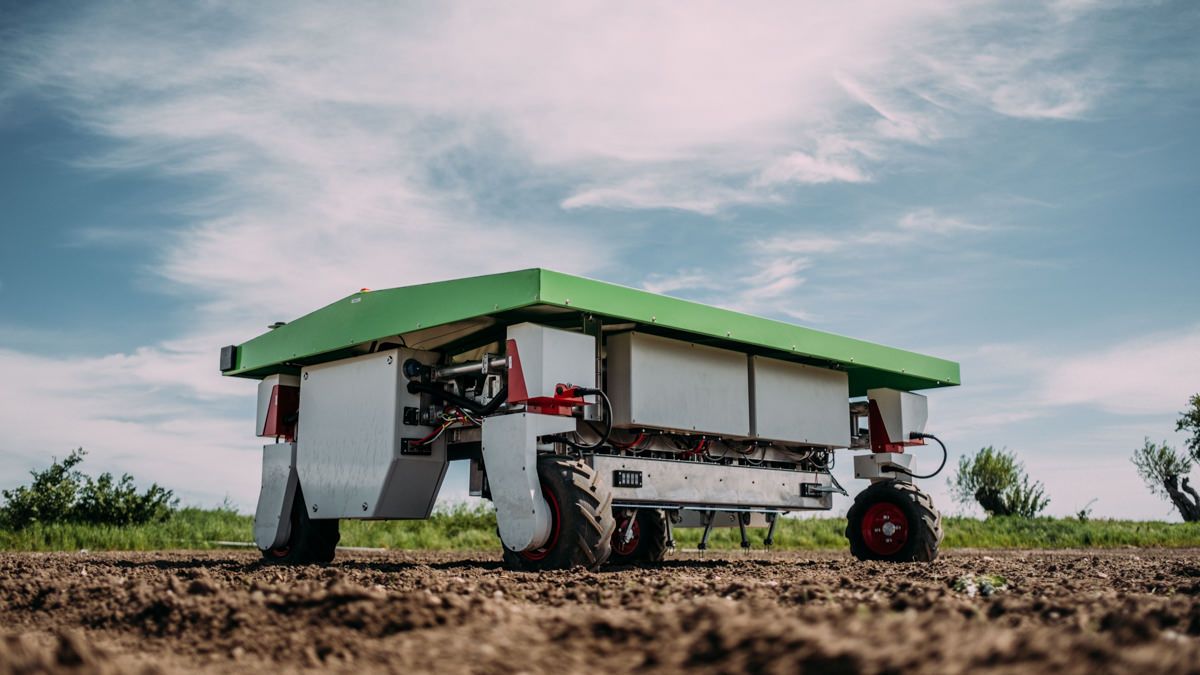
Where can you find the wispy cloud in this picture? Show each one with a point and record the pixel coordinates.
(778, 265)
(1153, 374)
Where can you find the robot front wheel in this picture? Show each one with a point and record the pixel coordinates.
(894, 521)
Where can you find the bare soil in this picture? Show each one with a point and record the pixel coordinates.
(1075, 611)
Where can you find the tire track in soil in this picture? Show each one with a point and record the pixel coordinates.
(1091, 611)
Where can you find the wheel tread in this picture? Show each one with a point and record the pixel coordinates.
(930, 534)
(590, 544)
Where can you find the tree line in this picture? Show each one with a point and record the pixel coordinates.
(997, 481)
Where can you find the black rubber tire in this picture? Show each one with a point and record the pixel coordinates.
(581, 534)
(311, 541)
(651, 546)
(925, 523)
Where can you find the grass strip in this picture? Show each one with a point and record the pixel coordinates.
(474, 528)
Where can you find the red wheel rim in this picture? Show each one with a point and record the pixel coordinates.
(622, 547)
(555, 521)
(885, 528)
(280, 552)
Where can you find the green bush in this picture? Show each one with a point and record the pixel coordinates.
(1189, 421)
(63, 494)
(996, 481)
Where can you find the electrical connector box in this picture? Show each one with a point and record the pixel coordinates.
(901, 412)
(543, 358)
(278, 405)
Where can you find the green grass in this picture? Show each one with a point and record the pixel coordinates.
(186, 528)
(474, 529)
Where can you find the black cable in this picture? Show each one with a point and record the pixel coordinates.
(497, 401)
(582, 391)
(945, 456)
(415, 387)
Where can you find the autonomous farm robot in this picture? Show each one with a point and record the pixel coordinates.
(596, 418)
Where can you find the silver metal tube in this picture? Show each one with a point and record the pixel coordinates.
(484, 366)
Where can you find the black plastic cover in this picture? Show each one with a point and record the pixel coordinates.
(228, 357)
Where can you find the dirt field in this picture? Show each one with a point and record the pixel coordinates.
(1095, 611)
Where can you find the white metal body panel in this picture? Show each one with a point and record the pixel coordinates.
(550, 357)
(272, 517)
(902, 412)
(266, 388)
(350, 439)
(670, 384)
(510, 455)
(795, 403)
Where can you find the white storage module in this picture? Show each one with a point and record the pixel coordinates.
(352, 458)
(669, 384)
(795, 403)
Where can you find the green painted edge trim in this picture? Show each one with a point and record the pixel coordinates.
(367, 316)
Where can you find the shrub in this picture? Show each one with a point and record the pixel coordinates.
(996, 481)
(1164, 470)
(1189, 421)
(63, 494)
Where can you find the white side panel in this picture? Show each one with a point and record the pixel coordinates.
(550, 357)
(510, 455)
(795, 403)
(272, 518)
(902, 412)
(670, 384)
(349, 458)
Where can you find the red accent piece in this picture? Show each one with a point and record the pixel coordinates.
(619, 544)
(555, 527)
(549, 406)
(517, 392)
(880, 517)
(281, 412)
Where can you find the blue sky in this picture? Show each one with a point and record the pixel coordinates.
(1010, 185)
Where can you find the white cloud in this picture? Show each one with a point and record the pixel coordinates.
(138, 412)
(929, 221)
(665, 192)
(1154, 374)
(689, 279)
(779, 260)
(625, 105)
(778, 266)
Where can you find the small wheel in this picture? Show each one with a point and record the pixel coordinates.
(894, 521)
(581, 519)
(640, 536)
(311, 541)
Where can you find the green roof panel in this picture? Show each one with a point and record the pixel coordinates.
(337, 329)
